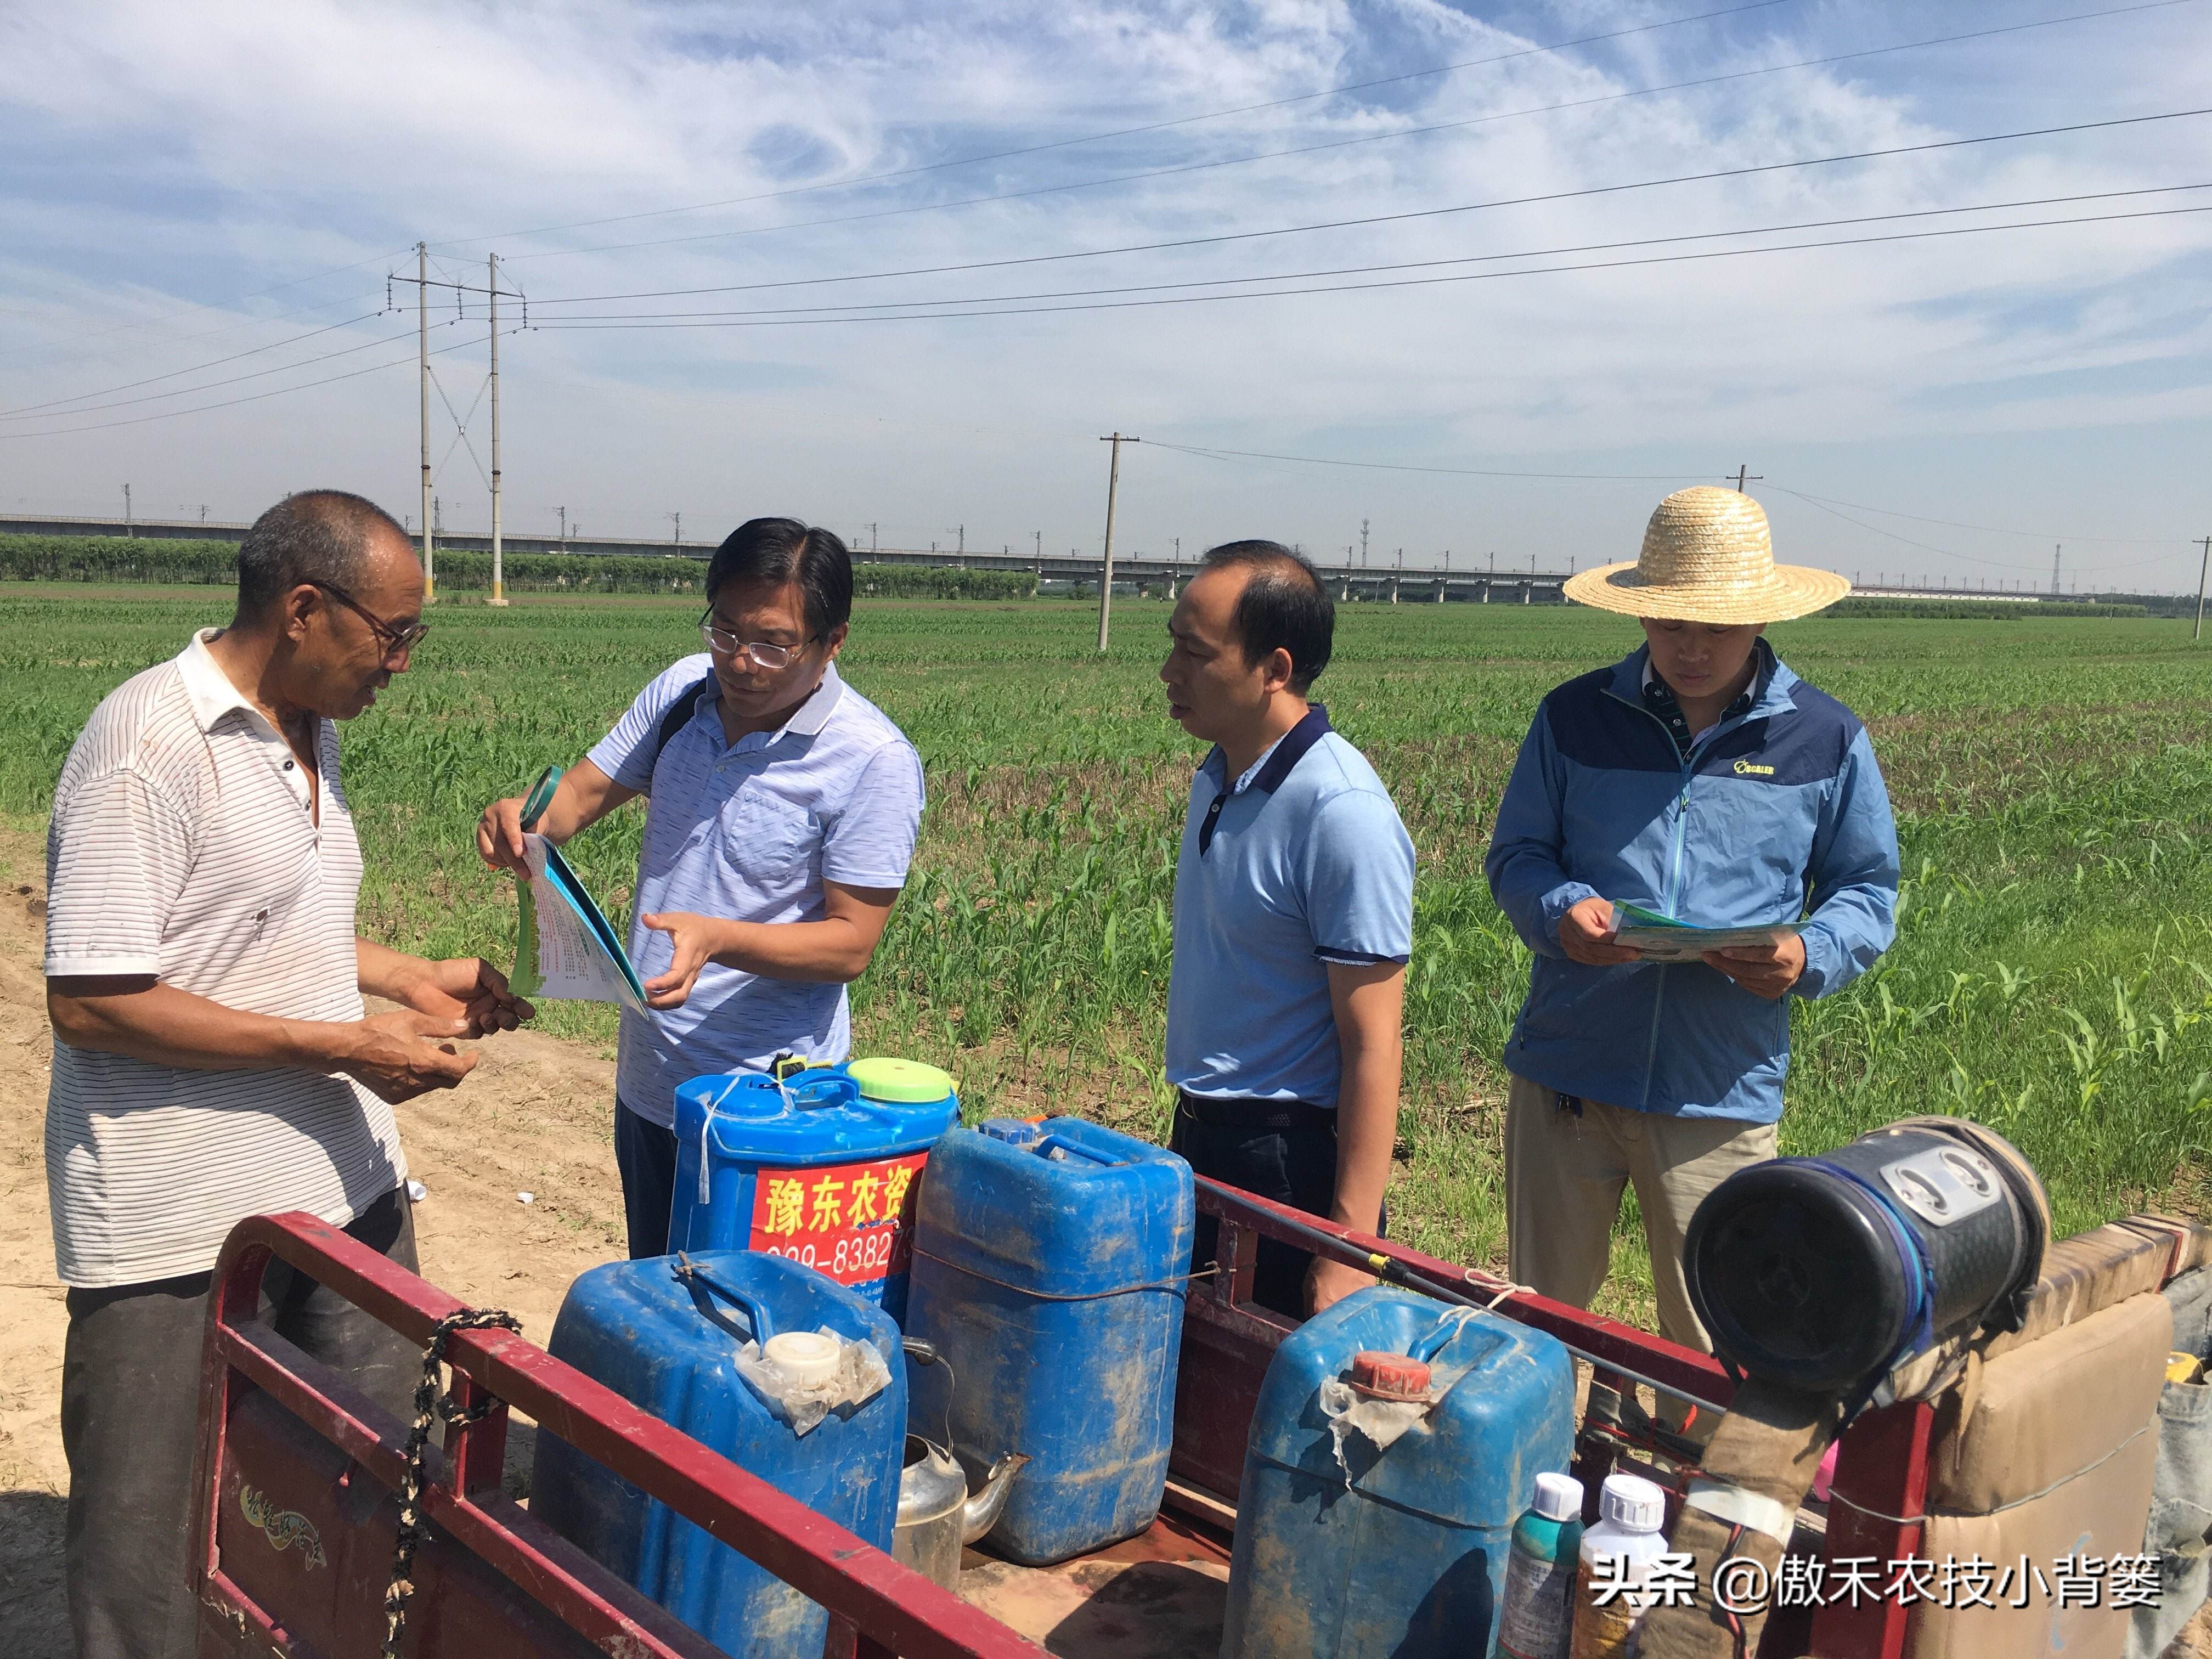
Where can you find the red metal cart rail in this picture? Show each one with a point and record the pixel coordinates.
(296, 1473)
(1882, 1466)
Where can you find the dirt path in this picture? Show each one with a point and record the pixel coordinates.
(535, 1117)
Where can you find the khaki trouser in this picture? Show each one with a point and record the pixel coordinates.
(1564, 1172)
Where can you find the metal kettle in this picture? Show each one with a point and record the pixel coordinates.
(936, 1516)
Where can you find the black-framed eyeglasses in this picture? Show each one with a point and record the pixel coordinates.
(395, 641)
(767, 655)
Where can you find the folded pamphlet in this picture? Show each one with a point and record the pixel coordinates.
(1661, 939)
(564, 945)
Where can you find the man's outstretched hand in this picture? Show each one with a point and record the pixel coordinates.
(468, 988)
(404, 1054)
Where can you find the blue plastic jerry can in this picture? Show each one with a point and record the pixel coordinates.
(822, 1167)
(1048, 1269)
(1399, 1549)
(667, 1342)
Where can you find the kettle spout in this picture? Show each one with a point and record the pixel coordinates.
(982, 1512)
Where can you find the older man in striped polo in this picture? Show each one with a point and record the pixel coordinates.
(211, 1057)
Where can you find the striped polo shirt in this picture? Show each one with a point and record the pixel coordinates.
(749, 831)
(183, 846)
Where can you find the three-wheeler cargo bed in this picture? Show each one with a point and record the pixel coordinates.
(297, 1476)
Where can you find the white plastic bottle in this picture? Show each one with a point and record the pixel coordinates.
(1537, 1618)
(1631, 1514)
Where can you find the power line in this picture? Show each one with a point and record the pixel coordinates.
(584, 324)
(1155, 126)
(29, 409)
(205, 334)
(1213, 453)
(218, 305)
(1397, 218)
(251, 397)
(1335, 143)
(1413, 265)
(209, 386)
(1928, 547)
(1988, 529)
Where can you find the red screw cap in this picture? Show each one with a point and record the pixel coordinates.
(1390, 1377)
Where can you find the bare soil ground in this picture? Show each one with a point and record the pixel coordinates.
(536, 1117)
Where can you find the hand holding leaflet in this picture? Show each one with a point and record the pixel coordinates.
(564, 945)
(1661, 939)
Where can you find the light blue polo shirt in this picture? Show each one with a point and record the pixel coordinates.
(749, 831)
(1301, 862)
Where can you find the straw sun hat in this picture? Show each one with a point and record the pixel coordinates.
(1708, 557)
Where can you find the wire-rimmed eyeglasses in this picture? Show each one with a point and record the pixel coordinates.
(767, 655)
(394, 641)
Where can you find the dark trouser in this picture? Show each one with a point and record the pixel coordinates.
(130, 1374)
(646, 1154)
(1283, 1149)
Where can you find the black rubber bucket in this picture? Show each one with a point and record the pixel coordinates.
(1824, 1273)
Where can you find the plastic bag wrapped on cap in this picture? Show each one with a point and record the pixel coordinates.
(1829, 1274)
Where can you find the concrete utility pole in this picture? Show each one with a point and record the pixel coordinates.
(1106, 571)
(872, 541)
(1363, 543)
(1743, 474)
(564, 524)
(202, 511)
(677, 518)
(2202, 568)
(126, 511)
(498, 573)
(423, 367)
(2055, 551)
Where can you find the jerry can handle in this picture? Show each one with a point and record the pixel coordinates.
(1447, 1326)
(1057, 1147)
(747, 1303)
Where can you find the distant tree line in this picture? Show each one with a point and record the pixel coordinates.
(138, 559)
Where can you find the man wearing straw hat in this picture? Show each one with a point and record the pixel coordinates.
(1700, 779)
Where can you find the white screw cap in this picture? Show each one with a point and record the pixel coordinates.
(1632, 1502)
(805, 1357)
(1559, 1498)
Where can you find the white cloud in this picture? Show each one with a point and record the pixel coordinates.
(180, 154)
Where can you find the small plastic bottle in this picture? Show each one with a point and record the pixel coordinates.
(1631, 1512)
(1537, 1619)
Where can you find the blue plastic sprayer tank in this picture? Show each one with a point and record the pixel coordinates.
(668, 1344)
(1398, 1551)
(819, 1168)
(1048, 1268)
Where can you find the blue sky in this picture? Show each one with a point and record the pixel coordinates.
(185, 185)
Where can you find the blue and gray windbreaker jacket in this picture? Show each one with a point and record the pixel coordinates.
(1777, 814)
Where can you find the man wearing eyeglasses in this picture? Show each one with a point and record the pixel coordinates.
(781, 811)
(211, 1057)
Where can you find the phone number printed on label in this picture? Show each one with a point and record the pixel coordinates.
(851, 1221)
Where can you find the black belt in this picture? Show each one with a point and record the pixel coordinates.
(1242, 1112)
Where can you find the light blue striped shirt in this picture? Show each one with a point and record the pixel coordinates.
(749, 831)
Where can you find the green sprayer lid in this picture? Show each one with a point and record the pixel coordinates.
(901, 1082)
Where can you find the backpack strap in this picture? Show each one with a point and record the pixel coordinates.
(677, 717)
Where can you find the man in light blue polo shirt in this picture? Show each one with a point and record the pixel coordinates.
(781, 816)
(1293, 921)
